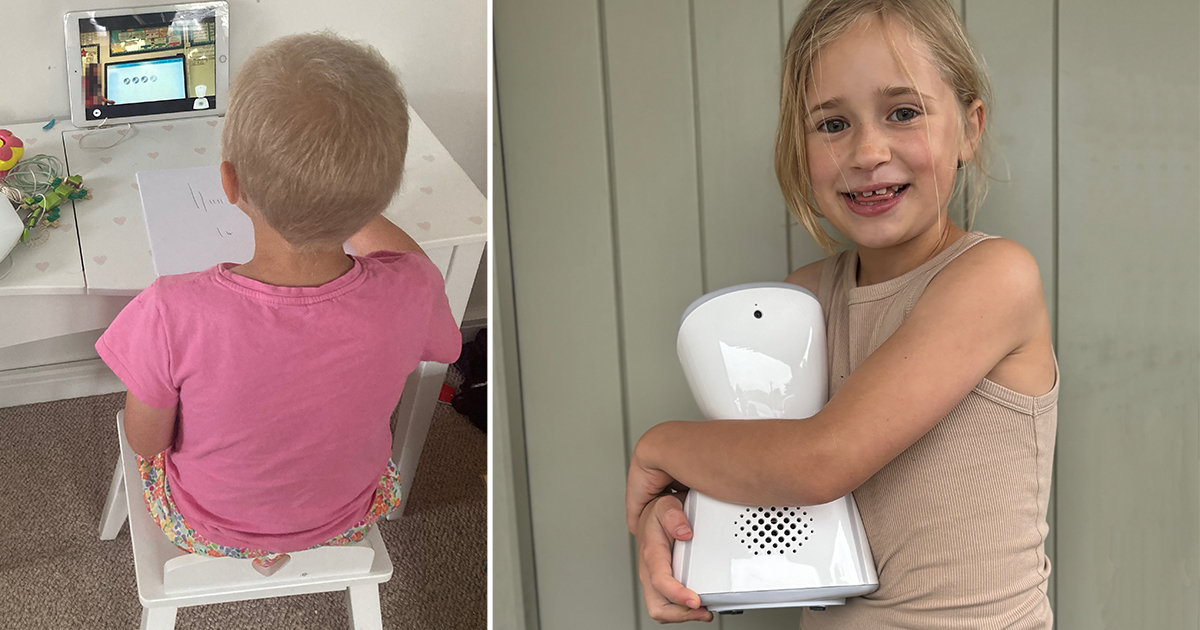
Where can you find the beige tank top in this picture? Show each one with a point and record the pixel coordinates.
(957, 522)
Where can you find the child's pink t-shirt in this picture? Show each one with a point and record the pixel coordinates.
(284, 393)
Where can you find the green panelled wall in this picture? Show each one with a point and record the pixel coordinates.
(637, 148)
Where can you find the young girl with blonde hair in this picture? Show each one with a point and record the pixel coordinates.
(942, 378)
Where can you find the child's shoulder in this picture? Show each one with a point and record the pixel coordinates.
(809, 276)
(995, 263)
(995, 278)
(175, 286)
(409, 264)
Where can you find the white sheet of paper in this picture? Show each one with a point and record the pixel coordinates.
(190, 223)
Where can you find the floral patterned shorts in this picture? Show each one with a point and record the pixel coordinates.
(162, 508)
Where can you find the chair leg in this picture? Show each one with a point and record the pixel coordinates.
(116, 509)
(158, 618)
(362, 602)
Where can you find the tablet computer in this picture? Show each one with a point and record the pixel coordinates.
(148, 63)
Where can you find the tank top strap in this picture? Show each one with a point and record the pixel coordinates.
(831, 275)
(918, 285)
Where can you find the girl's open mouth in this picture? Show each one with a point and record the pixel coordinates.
(874, 203)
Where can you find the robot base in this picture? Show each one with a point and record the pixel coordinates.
(788, 598)
(815, 605)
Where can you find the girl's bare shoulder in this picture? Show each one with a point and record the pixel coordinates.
(1002, 281)
(808, 276)
(997, 263)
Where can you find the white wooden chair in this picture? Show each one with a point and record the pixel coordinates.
(168, 577)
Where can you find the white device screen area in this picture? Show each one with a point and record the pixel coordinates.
(143, 81)
(141, 64)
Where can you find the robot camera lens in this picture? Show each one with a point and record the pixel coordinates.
(757, 314)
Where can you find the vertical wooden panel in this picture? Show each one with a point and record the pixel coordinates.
(1021, 204)
(803, 249)
(737, 61)
(654, 149)
(652, 125)
(514, 582)
(550, 89)
(1129, 303)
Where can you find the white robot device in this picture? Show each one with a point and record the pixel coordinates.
(758, 351)
(11, 228)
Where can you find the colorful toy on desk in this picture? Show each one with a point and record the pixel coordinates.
(46, 207)
(11, 150)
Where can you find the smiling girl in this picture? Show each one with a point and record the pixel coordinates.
(942, 379)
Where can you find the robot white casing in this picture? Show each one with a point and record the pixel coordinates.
(758, 351)
(11, 228)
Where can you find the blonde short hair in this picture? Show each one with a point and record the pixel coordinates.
(823, 21)
(317, 131)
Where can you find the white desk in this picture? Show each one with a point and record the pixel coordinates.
(77, 277)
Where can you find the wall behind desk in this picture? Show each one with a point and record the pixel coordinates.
(439, 49)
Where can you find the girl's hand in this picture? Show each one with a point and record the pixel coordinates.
(645, 482)
(660, 525)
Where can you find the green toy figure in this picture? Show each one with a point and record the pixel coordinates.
(47, 206)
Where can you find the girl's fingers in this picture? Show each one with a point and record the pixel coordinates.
(664, 611)
(656, 547)
(667, 601)
(675, 521)
(673, 591)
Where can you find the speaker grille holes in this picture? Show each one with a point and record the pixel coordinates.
(773, 530)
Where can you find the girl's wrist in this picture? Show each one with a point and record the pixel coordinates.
(656, 443)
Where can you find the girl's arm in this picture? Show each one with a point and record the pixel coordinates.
(981, 308)
(149, 430)
(382, 235)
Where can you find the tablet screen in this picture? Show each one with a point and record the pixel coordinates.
(148, 63)
(145, 81)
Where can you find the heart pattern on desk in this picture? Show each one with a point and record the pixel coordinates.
(42, 266)
(437, 202)
(31, 141)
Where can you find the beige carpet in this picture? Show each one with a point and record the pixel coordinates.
(56, 460)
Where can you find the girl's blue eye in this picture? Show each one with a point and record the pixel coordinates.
(831, 125)
(904, 114)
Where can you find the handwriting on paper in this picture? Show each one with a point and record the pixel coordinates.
(190, 222)
(202, 202)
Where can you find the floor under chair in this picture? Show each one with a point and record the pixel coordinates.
(56, 461)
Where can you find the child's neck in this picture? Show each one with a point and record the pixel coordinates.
(277, 262)
(881, 265)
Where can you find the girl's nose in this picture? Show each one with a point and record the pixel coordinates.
(871, 149)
